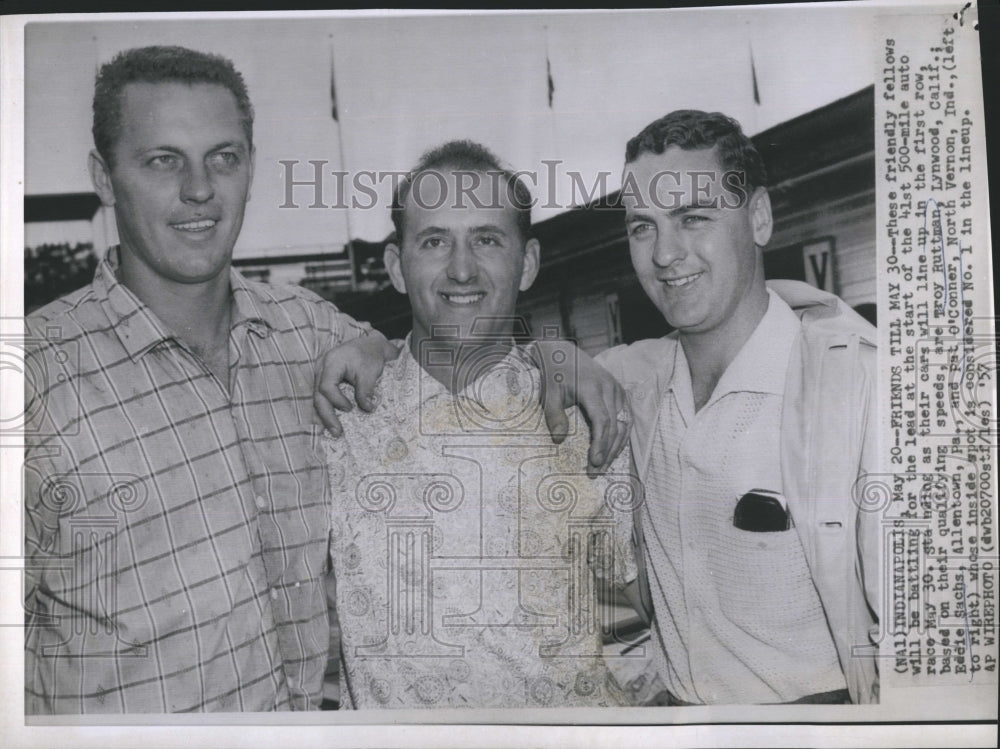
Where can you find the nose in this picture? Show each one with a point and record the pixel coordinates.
(197, 185)
(462, 266)
(668, 247)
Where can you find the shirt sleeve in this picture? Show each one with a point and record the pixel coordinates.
(612, 360)
(40, 525)
(47, 457)
(332, 326)
(622, 492)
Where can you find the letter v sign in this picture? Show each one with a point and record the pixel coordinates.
(818, 260)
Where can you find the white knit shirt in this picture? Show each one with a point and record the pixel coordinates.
(737, 614)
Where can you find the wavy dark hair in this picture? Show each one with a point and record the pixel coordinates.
(693, 129)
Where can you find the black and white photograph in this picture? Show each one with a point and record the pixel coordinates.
(518, 378)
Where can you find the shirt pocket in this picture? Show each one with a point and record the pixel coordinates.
(763, 578)
(761, 511)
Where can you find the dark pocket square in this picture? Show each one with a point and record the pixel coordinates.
(761, 512)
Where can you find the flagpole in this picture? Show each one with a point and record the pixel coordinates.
(349, 246)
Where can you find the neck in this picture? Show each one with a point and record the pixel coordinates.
(455, 362)
(710, 353)
(198, 313)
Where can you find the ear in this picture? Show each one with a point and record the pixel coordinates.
(100, 176)
(532, 250)
(760, 216)
(253, 158)
(393, 264)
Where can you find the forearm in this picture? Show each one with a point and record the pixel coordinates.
(571, 377)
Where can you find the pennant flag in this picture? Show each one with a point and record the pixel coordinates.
(333, 93)
(753, 75)
(552, 86)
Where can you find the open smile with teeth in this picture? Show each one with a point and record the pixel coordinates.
(203, 225)
(464, 298)
(683, 280)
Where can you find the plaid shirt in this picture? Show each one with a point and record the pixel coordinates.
(176, 530)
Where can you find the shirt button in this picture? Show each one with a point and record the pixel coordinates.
(274, 594)
(260, 502)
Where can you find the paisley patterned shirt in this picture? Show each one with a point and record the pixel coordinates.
(465, 546)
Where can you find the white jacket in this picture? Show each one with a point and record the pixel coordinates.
(828, 444)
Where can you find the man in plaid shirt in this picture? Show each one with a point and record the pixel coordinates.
(176, 507)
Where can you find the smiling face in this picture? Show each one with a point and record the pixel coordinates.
(179, 182)
(697, 254)
(462, 256)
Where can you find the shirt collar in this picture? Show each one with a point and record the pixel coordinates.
(259, 312)
(513, 375)
(761, 364)
(680, 384)
(140, 330)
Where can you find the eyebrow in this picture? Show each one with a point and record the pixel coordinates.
(481, 229)
(235, 144)
(488, 228)
(430, 231)
(688, 207)
(631, 217)
(645, 215)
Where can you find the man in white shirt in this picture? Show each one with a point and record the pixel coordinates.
(752, 426)
(462, 538)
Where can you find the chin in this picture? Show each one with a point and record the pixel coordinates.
(196, 275)
(682, 324)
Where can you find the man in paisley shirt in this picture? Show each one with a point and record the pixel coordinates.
(463, 540)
